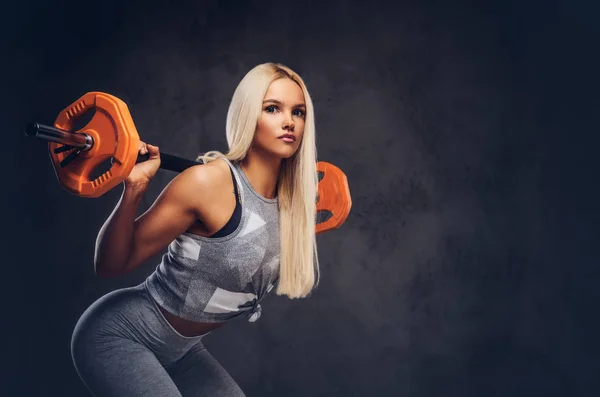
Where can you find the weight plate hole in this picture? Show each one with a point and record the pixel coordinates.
(101, 169)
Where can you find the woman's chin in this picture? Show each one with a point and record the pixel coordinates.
(280, 153)
(289, 155)
(284, 154)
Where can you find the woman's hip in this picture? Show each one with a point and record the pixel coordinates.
(128, 316)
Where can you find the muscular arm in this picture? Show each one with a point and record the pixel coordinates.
(125, 242)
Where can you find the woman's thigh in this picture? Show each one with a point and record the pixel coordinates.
(113, 367)
(199, 374)
(121, 346)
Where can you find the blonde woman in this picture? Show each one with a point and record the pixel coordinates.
(234, 228)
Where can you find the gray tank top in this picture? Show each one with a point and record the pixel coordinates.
(210, 279)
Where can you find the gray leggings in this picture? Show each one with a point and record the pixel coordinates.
(123, 346)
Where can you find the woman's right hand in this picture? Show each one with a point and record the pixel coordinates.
(143, 172)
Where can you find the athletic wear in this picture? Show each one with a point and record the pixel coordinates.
(122, 346)
(208, 279)
(235, 219)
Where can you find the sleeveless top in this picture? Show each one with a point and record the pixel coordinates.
(215, 279)
(234, 221)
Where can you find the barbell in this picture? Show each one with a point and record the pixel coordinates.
(111, 136)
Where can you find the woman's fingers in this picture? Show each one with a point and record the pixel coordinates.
(146, 148)
(153, 150)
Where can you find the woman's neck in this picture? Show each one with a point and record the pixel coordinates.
(262, 173)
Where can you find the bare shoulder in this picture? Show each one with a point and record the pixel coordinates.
(202, 187)
(210, 175)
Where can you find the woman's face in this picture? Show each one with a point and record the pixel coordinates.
(283, 113)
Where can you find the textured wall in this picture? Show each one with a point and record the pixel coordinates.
(467, 266)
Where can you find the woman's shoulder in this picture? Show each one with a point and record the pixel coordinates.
(214, 172)
(206, 190)
(209, 181)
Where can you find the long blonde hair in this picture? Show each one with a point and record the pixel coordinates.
(297, 184)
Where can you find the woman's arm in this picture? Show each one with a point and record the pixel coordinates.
(116, 235)
(125, 242)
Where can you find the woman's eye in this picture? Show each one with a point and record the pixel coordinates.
(271, 109)
(299, 112)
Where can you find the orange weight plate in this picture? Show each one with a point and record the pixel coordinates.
(114, 135)
(334, 201)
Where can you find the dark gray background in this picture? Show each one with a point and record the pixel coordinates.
(469, 263)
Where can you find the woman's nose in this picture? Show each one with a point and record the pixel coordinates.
(288, 123)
